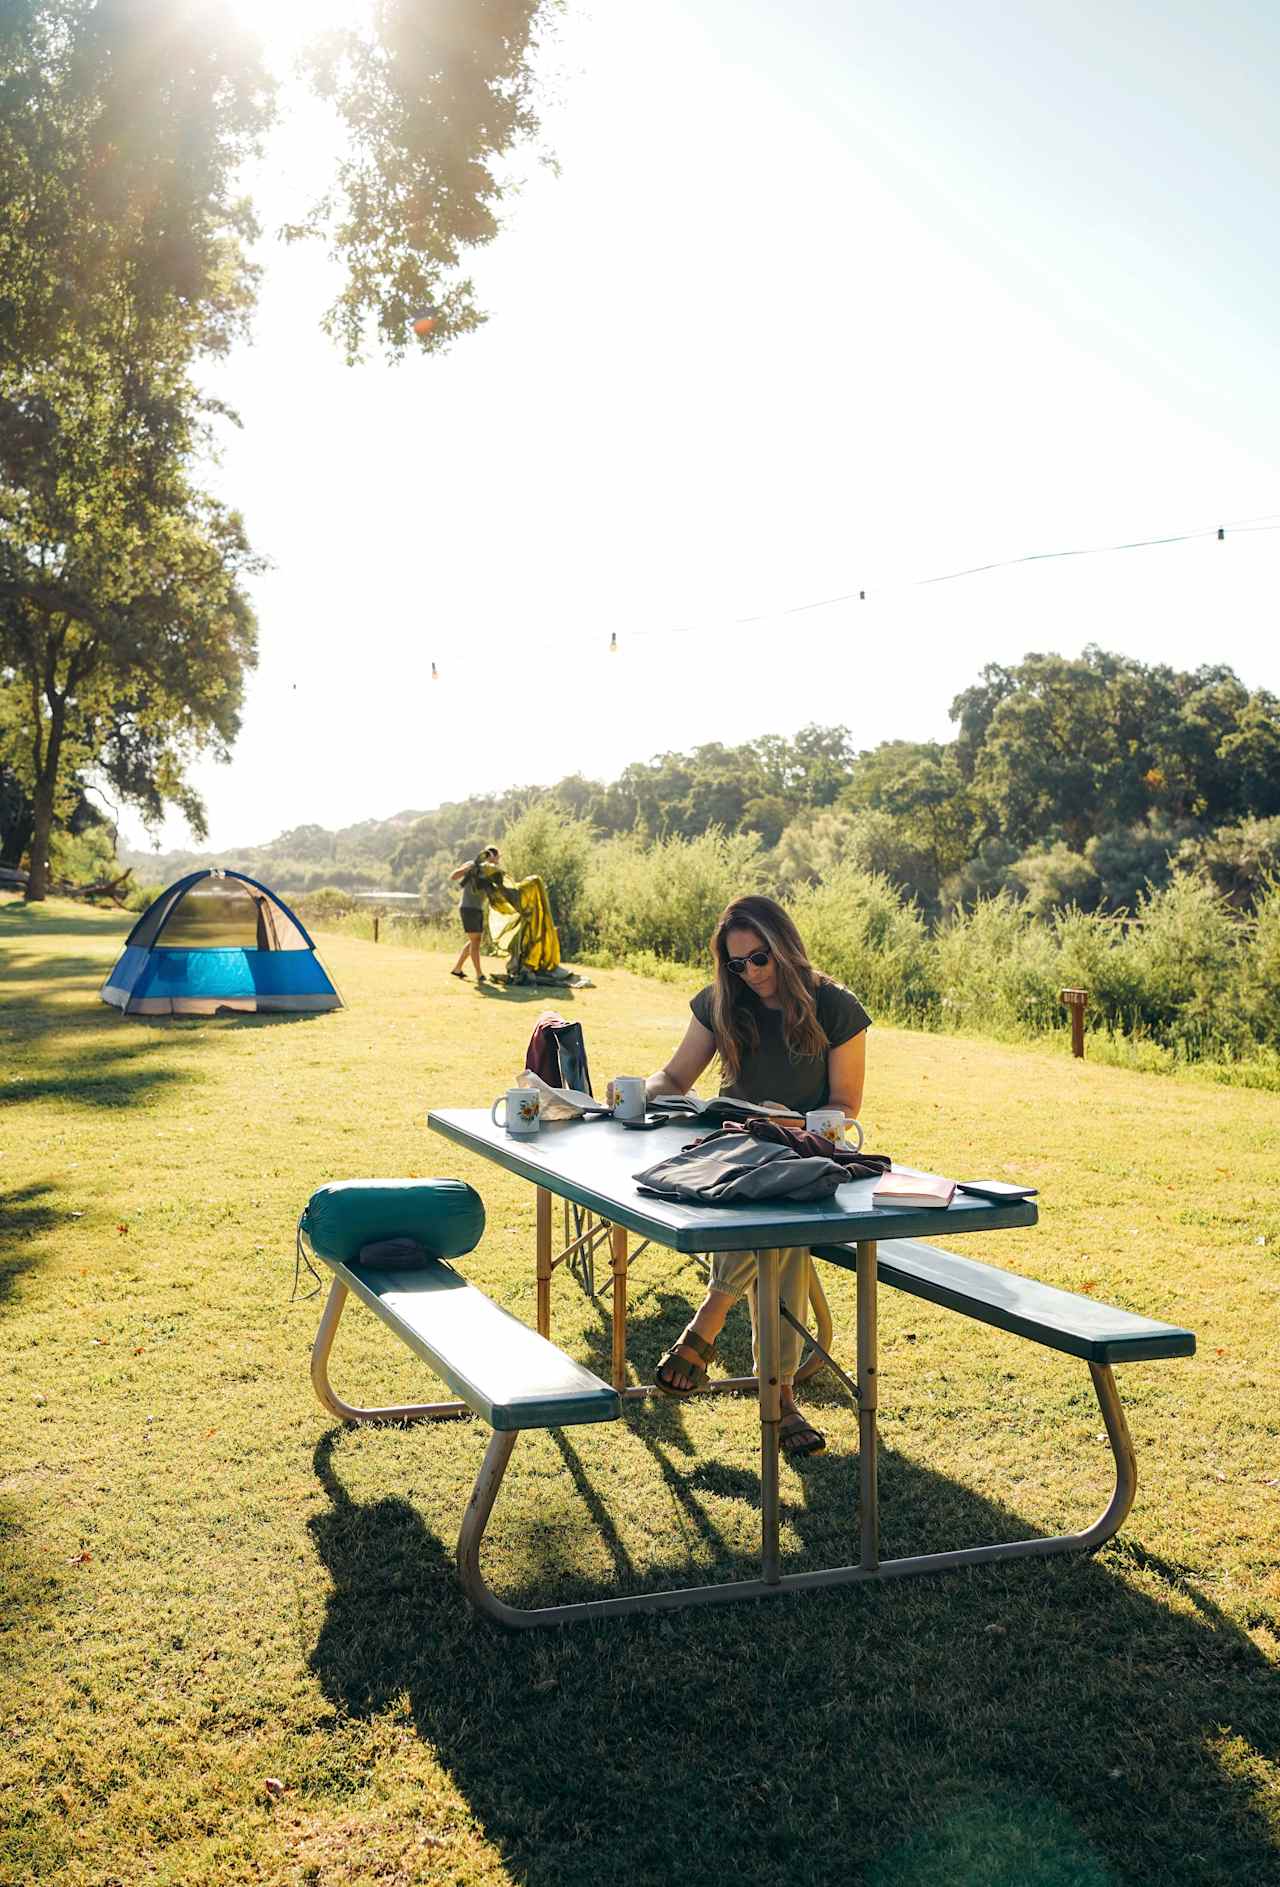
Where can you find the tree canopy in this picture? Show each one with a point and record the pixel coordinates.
(434, 101)
(125, 629)
(125, 621)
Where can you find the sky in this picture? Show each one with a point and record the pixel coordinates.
(825, 299)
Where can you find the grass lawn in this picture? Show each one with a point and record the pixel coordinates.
(206, 1582)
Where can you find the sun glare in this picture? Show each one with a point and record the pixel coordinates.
(285, 26)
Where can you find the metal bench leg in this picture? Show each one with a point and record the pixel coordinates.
(1088, 1540)
(345, 1411)
(474, 1522)
(774, 1584)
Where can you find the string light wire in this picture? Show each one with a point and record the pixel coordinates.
(1265, 521)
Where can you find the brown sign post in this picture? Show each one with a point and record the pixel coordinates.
(1075, 1000)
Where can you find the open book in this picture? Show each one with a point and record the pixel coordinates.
(722, 1107)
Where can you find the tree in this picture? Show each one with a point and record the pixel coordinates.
(919, 786)
(821, 761)
(1100, 742)
(434, 99)
(124, 627)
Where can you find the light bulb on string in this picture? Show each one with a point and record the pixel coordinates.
(435, 672)
(613, 643)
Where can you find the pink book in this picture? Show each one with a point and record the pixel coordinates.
(913, 1189)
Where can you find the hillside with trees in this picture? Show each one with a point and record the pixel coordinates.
(1070, 782)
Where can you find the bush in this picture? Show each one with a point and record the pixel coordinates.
(140, 896)
(1183, 948)
(984, 875)
(1239, 861)
(1054, 878)
(82, 858)
(324, 904)
(550, 842)
(1133, 860)
(997, 965)
(858, 928)
(666, 898)
(1093, 954)
(1259, 966)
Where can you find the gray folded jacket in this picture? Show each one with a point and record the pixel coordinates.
(728, 1169)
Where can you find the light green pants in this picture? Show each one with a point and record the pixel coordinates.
(735, 1272)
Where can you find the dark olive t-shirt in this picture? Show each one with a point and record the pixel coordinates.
(768, 1072)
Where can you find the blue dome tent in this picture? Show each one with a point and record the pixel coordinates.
(218, 940)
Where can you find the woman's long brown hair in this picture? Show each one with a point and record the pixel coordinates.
(732, 1022)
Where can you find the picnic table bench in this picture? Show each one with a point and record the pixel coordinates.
(498, 1368)
(1060, 1320)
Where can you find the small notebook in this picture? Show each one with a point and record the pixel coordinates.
(913, 1189)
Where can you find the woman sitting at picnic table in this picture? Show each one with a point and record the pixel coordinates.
(783, 1032)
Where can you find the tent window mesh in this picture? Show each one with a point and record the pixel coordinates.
(215, 915)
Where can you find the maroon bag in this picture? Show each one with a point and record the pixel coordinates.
(558, 1053)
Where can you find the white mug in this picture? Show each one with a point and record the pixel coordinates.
(627, 1096)
(829, 1123)
(522, 1112)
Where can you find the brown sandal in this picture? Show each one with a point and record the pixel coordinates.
(798, 1438)
(690, 1339)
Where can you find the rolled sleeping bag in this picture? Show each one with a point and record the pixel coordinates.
(436, 1218)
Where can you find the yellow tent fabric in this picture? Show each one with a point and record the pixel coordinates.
(520, 922)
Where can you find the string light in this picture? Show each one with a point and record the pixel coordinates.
(435, 672)
(613, 643)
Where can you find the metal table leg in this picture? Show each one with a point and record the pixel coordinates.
(618, 1254)
(868, 1376)
(769, 1330)
(543, 1258)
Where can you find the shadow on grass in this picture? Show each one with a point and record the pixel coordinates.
(225, 1019)
(31, 921)
(96, 1075)
(59, 969)
(25, 1215)
(546, 994)
(1044, 1724)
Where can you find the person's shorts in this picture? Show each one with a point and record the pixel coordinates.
(472, 916)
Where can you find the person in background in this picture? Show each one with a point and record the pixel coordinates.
(471, 909)
(783, 1032)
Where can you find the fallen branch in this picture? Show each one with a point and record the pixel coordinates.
(114, 888)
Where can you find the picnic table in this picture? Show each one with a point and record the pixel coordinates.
(515, 1378)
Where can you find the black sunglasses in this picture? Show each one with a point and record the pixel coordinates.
(758, 957)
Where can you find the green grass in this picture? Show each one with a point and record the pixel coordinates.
(206, 1582)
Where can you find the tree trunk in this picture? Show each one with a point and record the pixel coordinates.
(42, 804)
(38, 878)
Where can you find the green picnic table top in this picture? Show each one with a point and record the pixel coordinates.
(594, 1163)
